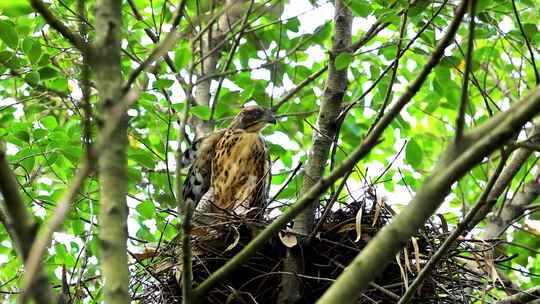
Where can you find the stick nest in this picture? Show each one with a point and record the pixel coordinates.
(335, 244)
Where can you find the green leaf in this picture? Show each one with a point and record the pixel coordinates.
(143, 159)
(359, 8)
(48, 72)
(202, 111)
(49, 122)
(32, 49)
(77, 226)
(22, 135)
(146, 209)
(59, 84)
(8, 34)
(182, 57)
(5, 56)
(343, 60)
(293, 25)
(161, 84)
(15, 8)
(413, 154)
(32, 78)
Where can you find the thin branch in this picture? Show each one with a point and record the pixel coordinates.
(389, 92)
(458, 231)
(383, 73)
(230, 58)
(55, 23)
(85, 81)
(371, 32)
(522, 297)
(519, 158)
(21, 226)
(186, 214)
(527, 42)
(161, 49)
(330, 204)
(460, 122)
(298, 88)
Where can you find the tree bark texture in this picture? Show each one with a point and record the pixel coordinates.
(106, 62)
(322, 139)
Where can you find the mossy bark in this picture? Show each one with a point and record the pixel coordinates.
(106, 63)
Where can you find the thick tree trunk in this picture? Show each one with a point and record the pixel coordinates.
(106, 62)
(323, 136)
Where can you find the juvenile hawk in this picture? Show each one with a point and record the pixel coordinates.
(230, 168)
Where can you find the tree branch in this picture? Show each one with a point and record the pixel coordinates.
(521, 297)
(161, 49)
(458, 231)
(186, 214)
(22, 227)
(381, 249)
(518, 160)
(527, 42)
(55, 23)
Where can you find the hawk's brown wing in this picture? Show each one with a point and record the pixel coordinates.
(240, 171)
(200, 156)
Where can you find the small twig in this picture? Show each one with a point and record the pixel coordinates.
(463, 226)
(55, 23)
(160, 50)
(291, 177)
(330, 204)
(383, 73)
(527, 42)
(298, 88)
(185, 211)
(230, 57)
(460, 122)
(394, 70)
(526, 296)
(372, 31)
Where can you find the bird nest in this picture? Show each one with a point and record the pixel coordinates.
(340, 236)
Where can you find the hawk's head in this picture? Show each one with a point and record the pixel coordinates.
(253, 119)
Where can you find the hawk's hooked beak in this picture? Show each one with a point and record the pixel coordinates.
(271, 118)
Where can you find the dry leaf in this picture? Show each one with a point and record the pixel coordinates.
(402, 271)
(236, 240)
(288, 239)
(378, 207)
(147, 253)
(414, 241)
(358, 224)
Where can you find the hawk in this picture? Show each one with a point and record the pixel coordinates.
(230, 168)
